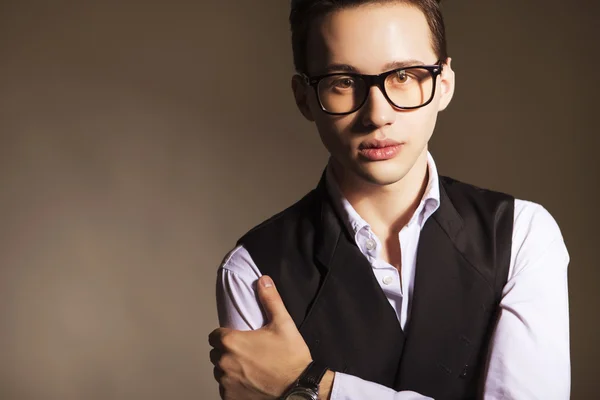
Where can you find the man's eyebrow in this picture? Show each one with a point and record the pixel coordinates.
(402, 64)
(332, 68)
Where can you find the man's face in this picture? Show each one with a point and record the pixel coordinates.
(370, 38)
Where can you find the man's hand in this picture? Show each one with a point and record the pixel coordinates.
(260, 364)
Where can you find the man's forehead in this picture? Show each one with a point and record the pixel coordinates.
(370, 39)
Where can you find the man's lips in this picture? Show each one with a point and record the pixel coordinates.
(379, 150)
(378, 144)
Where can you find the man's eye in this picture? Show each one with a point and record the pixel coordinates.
(343, 83)
(401, 77)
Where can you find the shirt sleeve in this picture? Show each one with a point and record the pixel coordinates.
(529, 354)
(238, 306)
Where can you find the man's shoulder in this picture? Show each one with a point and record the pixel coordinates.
(240, 262)
(533, 225)
(526, 212)
(455, 186)
(282, 220)
(477, 204)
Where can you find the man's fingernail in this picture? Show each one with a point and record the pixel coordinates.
(267, 282)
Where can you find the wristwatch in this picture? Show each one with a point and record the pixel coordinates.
(307, 385)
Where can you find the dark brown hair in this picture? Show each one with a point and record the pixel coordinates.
(304, 12)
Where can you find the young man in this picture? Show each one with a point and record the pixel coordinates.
(392, 282)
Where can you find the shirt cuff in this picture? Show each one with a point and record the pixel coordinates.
(348, 387)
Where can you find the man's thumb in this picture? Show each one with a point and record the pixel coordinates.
(271, 301)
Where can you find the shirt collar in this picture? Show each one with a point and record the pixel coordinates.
(355, 223)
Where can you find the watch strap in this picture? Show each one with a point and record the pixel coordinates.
(312, 375)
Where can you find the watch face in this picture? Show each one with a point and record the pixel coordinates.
(302, 394)
(299, 396)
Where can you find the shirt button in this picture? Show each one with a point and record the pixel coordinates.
(370, 244)
(388, 280)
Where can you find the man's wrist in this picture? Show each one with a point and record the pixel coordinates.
(324, 389)
(292, 385)
(326, 385)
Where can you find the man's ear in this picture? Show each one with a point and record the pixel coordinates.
(447, 84)
(300, 89)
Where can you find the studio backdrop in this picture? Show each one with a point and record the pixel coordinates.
(139, 140)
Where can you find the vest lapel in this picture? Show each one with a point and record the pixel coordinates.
(350, 300)
(449, 305)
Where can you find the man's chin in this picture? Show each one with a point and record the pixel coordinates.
(382, 173)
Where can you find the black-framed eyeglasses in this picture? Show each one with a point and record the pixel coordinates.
(405, 88)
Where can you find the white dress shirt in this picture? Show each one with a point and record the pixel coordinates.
(529, 352)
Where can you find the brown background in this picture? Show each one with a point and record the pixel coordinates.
(138, 140)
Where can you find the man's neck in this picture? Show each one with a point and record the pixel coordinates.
(387, 208)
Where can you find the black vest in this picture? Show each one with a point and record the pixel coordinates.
(330, 291)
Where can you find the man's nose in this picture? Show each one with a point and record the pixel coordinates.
(377, 110)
